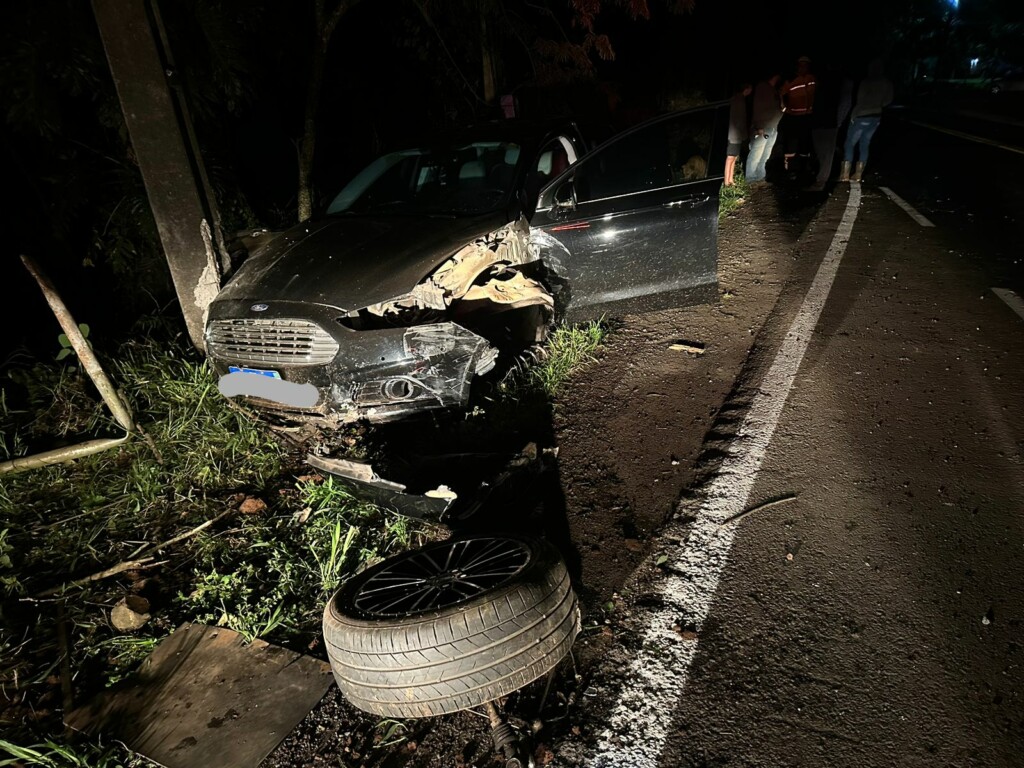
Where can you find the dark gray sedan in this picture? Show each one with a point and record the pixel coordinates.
(436, 263)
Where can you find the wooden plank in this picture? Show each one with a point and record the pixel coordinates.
(205, 697)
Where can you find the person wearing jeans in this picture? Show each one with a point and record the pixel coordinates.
(873, 95)
(764, 127)
(858, 137)
(761, 144)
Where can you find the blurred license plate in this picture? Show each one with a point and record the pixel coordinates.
(257, 371)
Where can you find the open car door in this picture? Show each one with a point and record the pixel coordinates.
(633, 226)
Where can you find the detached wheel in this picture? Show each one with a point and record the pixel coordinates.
(450, 626)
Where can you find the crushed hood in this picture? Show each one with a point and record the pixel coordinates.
(350, 262)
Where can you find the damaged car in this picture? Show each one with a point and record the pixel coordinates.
(439, 263)
(433, 267)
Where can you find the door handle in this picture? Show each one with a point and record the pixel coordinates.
(689, 202)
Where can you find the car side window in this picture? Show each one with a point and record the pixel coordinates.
(553, 158)
(670, 152)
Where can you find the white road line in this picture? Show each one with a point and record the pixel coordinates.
(640, 721)
(968, 137)
(1013, 301)
(911, 211)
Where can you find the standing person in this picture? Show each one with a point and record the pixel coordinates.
(833, 100)
(764, 127)
(739, 130)
(873, 94)
(798, 98)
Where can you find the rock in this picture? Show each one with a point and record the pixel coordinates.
(130, 614)
(252, 506)
(543, 755)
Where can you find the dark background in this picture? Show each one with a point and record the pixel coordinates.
(75, 200)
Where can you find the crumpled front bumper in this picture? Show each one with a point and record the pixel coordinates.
(377, 375)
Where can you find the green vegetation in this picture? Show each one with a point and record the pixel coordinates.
(569, 349)
(50, 754)
(731, 198)
(284, 537)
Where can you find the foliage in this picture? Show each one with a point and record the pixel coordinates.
(265, 571)
(731, 198)
(66, 350)
(389, 733)
(50, 754)
(274, 574)
(569, 349)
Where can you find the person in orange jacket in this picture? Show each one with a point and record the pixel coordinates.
(798, 103)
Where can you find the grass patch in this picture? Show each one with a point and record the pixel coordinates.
(51, 754)
(569, 349)
(731, 198)
(264, 570)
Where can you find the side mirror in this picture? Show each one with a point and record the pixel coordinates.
(565, 198)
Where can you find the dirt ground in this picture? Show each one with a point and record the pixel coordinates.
(632, 433)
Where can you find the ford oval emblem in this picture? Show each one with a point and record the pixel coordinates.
(259, 307)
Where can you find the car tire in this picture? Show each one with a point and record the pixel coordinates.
(471, 645)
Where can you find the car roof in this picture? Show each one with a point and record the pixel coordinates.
(516, 131)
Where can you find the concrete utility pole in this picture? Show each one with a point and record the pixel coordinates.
(166, 151)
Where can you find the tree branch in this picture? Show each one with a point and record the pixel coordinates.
(430, 23)
(343, 7)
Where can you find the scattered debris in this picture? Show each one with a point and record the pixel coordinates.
(252, 506)
(693, 347)
(127, 565)
(543, 755)
(757, 507)
(366, 484)
(137, 563)
(130, 614)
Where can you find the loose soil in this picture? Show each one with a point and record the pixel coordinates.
(632, 433)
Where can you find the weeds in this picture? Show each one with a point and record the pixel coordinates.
(731, 198)
(265, 574)
(388, 733)
(569, 349)
(50, 754)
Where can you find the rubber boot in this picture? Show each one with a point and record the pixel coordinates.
(858, 172)
(844, 171)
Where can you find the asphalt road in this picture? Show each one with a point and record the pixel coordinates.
(876, 618)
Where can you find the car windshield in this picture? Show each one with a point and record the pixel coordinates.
(457, 180)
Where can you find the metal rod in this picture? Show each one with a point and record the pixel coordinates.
(59, 455)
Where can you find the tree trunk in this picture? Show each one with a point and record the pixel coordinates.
(325, 24)
(487, 58)
(308, 143)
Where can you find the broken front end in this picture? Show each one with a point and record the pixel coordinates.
(384, 361)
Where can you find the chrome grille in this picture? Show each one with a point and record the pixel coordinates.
(270, 340)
